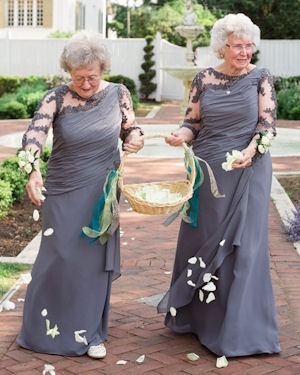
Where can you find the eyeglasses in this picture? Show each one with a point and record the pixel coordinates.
(240, 47)
(91, 80)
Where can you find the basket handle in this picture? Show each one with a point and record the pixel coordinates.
(124, 157)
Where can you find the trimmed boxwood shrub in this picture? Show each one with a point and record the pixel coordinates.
(5, 198)
(11, 173)
(12, 110)
(288, 103)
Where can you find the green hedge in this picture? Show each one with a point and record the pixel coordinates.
(288, 103)
(5, 198)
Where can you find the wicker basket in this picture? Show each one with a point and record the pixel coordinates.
(184, 187)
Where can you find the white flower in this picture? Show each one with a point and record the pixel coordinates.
(192, 356)
(192, 260)
(49, 369)
(231, 158)
(36, 215)
(222, 243)
(261, 149)
(209, 287)
(173, 311)
(227, 166)
(121, 362)
(28, 168)
(22, 154)
(80, 339)
(26, 278)
(30, 158)
(207, 277)
(189, 272)
(141, 359)
(48, 232)
(211, 297)
(189, 282)
(21, 300)
(8, 305)
(44, 312)
(39, 193)
(265, 140)
(125, 243)
(201, 295)
(222, 362)
(167, 272)
(202, 264)
(269, 135)
(21, 163)
(214, 277)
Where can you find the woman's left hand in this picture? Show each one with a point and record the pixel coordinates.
(134, 144)
(246, 161)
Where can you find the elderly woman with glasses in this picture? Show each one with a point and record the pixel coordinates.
(221, 287)
(67, 302)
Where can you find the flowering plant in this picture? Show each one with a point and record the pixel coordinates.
(230, 159)
(264, 141)
(26, 160)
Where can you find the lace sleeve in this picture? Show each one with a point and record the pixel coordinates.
(266, 104)
(128, 117)
(39, 127)
(192, 114)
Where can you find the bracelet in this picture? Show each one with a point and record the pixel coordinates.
(264, 141)
(26, 160)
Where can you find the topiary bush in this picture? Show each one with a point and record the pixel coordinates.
(5, 198)
(147, 87)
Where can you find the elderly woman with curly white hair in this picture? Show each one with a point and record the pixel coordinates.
(67, 302)
(221, 287)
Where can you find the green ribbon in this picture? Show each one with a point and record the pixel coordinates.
(105, 216)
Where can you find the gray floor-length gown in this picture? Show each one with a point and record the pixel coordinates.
(71, 279)
(231, 238)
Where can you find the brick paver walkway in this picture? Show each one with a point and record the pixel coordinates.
(147, 251)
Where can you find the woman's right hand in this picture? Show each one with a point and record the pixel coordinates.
(174, 139)
(34, 188)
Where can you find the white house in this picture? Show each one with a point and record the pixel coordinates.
(34, 19)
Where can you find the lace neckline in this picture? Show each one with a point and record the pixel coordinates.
(96, 96)
(221, 75)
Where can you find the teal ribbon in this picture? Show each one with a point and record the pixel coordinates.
(105, 215)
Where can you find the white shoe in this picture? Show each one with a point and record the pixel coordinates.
(97, 351)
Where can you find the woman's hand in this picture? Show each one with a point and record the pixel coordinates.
(134, 143)
(175, 139)
(248, 154)
(34, 187)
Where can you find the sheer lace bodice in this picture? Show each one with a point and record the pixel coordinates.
(63, 100)
(210, 79)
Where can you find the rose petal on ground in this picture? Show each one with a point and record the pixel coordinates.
(192, 356)
(222, 362)
(222, 243)
(130, 209)
(167, 272)
(207, 277)
(124, 243)
(121, 362)
(211, 297)
(192, 260)
(8, 305)
(26, 278)
(202, 264)
(201, 295)
(209, 287)
(190, 282)
(44, 312)
(173, 311)
(132, 238)
(80, 339)
(36, 215)
(189, 273)
(49, 369)
(48, 232)
(20, 299)
(141, 359)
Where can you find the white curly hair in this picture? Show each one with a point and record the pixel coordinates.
(84, 48)
(239, 25)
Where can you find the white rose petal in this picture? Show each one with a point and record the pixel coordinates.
(189, 282)
(22, 154)
(132, 238)
(48, 232)
(30, 158)
(173, 311)
(141, 359)
(130, 209)
(192, 356)
(202, 264)
(80, 339)
(222, 362)
(28, 168)
(49, 369)
(36, 215)
(43, 188)
(211, 297)
(209, 287)
(121, 362)
(39, 194)
(167, 272)
(261, 149)
(124, 243)
(269, 135)
(189, 272)
(26, 277)
(222, 242)
(226, 166)
(20, 299)
(207, 277)
(214, 277)
(21, 163)
(237, 154)
(265, 140)
(192, 260)
(44, 312)
(8, 305)
(201, 295)
(51, 331)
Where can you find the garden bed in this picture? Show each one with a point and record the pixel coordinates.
(291, 184)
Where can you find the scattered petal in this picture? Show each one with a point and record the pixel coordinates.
(192, 356)
(132, 238)
(207, 277)
(214, 277)
(209, 287)
(51, 331)
(39, 194)
(20, 299)
(126, 200)
(141, 359)
(124, 243)
(189, 272)
(173, 311)
(211, 297)
(80, 339)
(222, 362)
(48, 232)
(167, 272)
(49, 369)
(192, 260)
(36, 215)
(44, 312)
(222, 243)
(202, 264)
(130, 209)
(121, 362)
(201, 295)
(26, 277)
(43, 188)
(190, 282)
(8, 305)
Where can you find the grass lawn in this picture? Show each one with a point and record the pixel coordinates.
(9, 274)
(145, 107)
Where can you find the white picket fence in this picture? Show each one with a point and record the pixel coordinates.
(39, 57)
